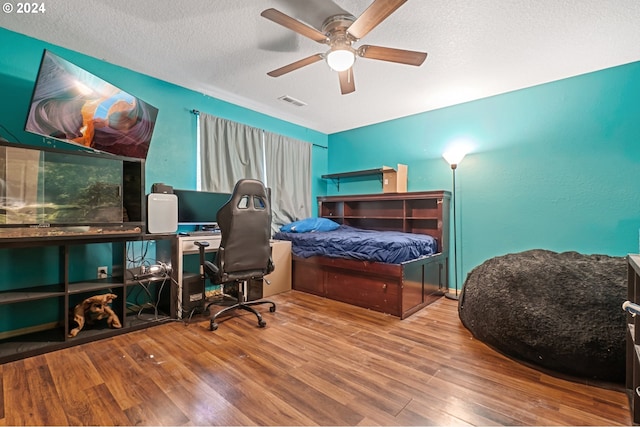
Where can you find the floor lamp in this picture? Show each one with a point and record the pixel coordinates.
(454, 157)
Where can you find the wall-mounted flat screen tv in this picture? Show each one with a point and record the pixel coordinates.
(72, 105)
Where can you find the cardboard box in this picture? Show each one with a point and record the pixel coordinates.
(394, 180)
(280, 278)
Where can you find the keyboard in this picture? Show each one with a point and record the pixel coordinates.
(203, 233)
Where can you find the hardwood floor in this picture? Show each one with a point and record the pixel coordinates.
(318, 362)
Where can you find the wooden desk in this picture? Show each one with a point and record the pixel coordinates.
(280, 278)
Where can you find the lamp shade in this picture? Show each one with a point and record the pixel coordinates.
(340, 59)
(454, 156)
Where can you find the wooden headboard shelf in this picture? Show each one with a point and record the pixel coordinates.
(415, 212)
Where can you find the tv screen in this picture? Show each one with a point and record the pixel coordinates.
(199, 207)
(72, 105)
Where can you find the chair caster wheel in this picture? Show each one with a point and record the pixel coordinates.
(213, 326)
(272, 309)
(262, 323)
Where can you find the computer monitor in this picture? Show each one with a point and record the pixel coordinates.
(199, 208)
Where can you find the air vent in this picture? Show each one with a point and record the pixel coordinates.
(291, 100)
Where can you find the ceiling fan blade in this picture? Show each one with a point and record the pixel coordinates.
(375, 14)
(295, 65)
(347, 85)
(401, 56)
(294, 25)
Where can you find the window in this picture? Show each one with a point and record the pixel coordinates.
(229, 151)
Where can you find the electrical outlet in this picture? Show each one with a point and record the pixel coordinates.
(103, 272)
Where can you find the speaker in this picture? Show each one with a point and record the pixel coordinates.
(162, 213)
(159, 187)
(192, 293)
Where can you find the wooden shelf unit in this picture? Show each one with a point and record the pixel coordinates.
(64, 295)
(632, 381)
(35, 218)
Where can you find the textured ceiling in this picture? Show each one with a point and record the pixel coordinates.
(223, 48)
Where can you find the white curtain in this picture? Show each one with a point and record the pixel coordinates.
(229, 151)
(289, 177)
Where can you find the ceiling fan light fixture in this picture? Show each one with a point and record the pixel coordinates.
(341, 59)
(340, 31)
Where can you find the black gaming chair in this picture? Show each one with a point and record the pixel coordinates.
(245, 250)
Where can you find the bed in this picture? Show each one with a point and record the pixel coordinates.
(399, 275)
(390, 247)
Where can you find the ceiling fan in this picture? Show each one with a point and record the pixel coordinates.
(340, 32)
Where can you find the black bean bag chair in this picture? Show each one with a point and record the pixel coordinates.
(559, 311)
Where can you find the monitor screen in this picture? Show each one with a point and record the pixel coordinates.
(72, 105)
(199, 207)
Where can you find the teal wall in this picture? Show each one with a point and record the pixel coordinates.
(555, 166)
(172, 154)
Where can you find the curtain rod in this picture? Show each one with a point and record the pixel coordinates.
(197, 113)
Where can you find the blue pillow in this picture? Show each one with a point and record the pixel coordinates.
(310, 224)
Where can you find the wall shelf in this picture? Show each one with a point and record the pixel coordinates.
(392, 180)
(376, 171)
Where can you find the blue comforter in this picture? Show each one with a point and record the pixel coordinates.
(391, 247)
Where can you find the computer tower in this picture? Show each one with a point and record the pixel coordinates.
(192, 293)
(254, 290)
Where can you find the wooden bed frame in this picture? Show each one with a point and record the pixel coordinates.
(396, 289)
